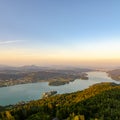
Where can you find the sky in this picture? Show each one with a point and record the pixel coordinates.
(60, 32)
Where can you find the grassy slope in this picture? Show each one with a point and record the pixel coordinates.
(100, 101)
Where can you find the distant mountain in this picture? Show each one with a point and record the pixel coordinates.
(37, 68)
(23, 68)
(30, 67)
(6, 67)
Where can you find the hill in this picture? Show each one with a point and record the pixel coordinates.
(114, 74)
(100, 102)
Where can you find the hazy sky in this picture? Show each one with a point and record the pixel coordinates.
(76, 32)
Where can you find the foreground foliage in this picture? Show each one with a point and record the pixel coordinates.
(99, 102)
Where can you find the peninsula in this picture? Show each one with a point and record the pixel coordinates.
(55, 77)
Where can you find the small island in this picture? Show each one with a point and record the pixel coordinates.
(84, 76)
(48, 94)
(58, 83)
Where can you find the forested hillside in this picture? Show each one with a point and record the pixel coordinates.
(98, 102)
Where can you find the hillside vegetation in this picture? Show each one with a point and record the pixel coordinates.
(98, 102)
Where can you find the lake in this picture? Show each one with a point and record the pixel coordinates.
(33, 91)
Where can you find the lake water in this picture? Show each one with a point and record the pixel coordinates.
(33, 91)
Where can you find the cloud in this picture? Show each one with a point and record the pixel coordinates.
(9, 42)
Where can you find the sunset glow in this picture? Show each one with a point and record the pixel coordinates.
(60, 33)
